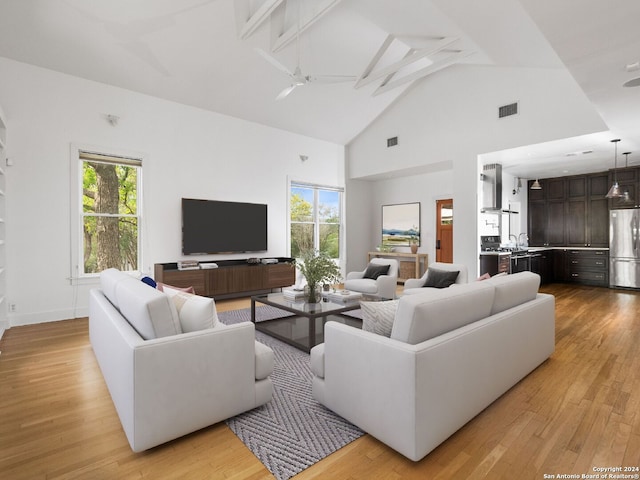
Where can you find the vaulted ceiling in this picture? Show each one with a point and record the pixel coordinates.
(236, 57)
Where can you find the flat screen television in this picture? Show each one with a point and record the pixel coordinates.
(212, 226)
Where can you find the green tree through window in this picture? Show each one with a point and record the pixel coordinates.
(110, 213)
(315, 220)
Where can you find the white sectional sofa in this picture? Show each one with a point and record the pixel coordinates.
(450, 354)
(164, 382)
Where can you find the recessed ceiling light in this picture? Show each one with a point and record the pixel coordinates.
(632, 67)
(587, 152)
(635, 82)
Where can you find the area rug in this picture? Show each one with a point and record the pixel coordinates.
(292, 431)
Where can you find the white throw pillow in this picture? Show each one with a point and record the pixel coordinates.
(195, 312)
(377, 317)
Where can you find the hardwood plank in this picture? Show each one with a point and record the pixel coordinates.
(579, 409)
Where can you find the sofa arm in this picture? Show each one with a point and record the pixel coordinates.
(414, 283)
(354, 275)
(387, 285)
(192, 380)
(370, 380)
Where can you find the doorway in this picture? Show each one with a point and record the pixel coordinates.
(444, 230)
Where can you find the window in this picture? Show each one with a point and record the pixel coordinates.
(315, 219)
(108, 222)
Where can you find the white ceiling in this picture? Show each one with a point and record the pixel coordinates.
(194, 52)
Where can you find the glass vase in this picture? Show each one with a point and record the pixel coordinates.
(312, 293)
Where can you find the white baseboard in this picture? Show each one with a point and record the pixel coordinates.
(17, 319)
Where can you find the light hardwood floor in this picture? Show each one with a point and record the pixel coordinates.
(579, 410)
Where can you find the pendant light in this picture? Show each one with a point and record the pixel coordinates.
(614, 191)
(626, 196)
(536, 185)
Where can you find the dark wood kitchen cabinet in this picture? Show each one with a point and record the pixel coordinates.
(587, 211)
(546, 211)
(572, 212)
(589, 266)
(541, 263)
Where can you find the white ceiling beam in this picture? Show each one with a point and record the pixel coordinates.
(407, 60)
(290, 34)
(376, 58)
(258, 18)
(431, 69)
(388, 78)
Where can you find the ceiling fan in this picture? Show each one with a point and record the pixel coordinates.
(298, 79)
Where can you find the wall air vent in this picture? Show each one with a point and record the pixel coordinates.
(392, 142)
(507, 110)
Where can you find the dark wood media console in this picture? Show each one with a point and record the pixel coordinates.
(232, 278)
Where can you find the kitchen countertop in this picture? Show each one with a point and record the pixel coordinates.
(528, 250)
(566, 248)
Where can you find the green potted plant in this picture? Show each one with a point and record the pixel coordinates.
(317, 268)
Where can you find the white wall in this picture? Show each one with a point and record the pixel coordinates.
(452, 117)
(425, 188)
(191, 153)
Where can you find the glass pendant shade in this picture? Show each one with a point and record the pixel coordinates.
(536, 185)
(614, 191)
(626, 198)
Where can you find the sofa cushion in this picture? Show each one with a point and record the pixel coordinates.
(377, 317)
(363, 285)
(195, 312)
(109, 279)
(373, 271)
(150, 312)
(161, 286)
(437, 311)
(149, 281)
(440, 278)
(512, 290)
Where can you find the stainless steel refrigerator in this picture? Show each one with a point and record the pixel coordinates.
(624, 248)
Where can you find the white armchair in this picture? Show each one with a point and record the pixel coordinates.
(417, 285)
(383, 285)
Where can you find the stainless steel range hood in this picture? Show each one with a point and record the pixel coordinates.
(492, 189)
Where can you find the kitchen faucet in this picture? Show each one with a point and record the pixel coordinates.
(526, 239)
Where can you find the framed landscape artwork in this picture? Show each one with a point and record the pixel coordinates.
(401, 224)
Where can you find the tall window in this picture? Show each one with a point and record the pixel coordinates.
(109, 220)
(315, 219)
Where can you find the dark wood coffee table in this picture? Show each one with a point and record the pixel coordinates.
(304, 329)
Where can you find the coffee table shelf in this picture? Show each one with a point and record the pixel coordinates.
(304, 329)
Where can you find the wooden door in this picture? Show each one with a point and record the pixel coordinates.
(444, 230)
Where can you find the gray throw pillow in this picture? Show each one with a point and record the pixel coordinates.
(440, 278)
(377, 317)
(373, 271)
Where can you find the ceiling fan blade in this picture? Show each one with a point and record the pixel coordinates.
(331, 78)
(274, 62)
(286, 92)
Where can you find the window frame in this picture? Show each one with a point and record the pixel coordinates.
(77, 274)
(316, 220)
